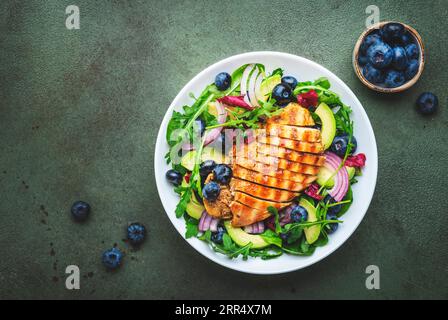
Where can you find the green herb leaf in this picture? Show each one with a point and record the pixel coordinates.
(272, 238)
(274, 212)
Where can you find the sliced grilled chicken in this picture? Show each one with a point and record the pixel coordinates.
(292, 155)
(273, 169)
(254, 149)
(244, 215)
(311, 147)
(262, 192)
(295, 115)
(262, 179)
(257, 203)
(293, 132)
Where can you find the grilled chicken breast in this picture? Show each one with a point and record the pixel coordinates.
(283, 160)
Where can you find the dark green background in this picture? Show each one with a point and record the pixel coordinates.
(79, 115)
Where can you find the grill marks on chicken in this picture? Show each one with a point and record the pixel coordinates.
(262, 192)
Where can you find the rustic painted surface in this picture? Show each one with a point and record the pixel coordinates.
(79, 115)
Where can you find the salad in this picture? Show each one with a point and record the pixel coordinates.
(263, 164)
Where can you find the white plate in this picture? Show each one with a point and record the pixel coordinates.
(304, 70)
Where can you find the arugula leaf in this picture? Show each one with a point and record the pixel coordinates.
(227, 242)
(278, 71)
(184, 200)
(192, 228)
(346, 206)
(273, 211)
(272, 238)
(266, 253)
(294, 233)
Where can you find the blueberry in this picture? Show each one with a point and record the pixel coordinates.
(339, 145)
(222, 173)
(290, 81)
(380, 55)
(427, 103)
(412, 69)
(333, 210)
(331, 227)
(372, 74)
(211, 191)
(223, 81)
(392, 32)
(206, 167)
(412, 51)
(406, 38)
(369, 41)
(282, 94)
(299, 214)
(353, 142)
(362, 60)
(400, 60)
(217, 236)
(394, 79)
(174, 177)
(80, 210)
(199, 126)
(112, 258)
(136, 233)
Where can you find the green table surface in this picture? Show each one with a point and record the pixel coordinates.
(79, 116)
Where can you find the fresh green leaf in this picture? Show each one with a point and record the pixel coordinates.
(273, 211)
(271, 237)
(192, 228)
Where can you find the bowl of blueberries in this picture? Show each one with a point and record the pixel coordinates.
(389, 57)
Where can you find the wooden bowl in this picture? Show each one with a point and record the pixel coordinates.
(407, 84)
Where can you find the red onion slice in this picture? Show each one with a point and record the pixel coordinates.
(341, 182)
(214, 225)
(255, 228)
(214, 133)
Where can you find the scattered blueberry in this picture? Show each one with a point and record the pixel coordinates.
(206, 168)
(412, 69)
(222, 173)
(369, 41)
(282, 94)
(380, 55)
(299, 214)
(211, 191)
(199, 126)
(223, 81)
(112, 258)
(412, 51)
(174, 177)
(333, 210)
(136, 233)
(362, 60)
(339, 145)
(217, 236)
(290, 81)
(80, 210)
(331, 227)
(400, 60)
(427, 103)
(394, 79)
(392, 32)
(372, 74)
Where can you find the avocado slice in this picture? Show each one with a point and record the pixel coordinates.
(242, 238)
(208, 153)
(267, 86)
(311, 233)
(325, 179)
(328, 124)
(194, 208)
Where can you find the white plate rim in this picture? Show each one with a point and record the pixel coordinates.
(194, 242)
